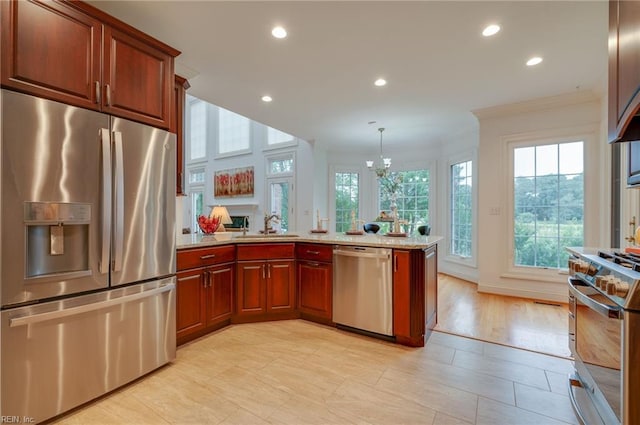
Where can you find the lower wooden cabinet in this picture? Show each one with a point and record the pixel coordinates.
(315, 281)
(205, 282)
(265, 282)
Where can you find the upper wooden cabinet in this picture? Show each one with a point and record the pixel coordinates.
(74, 53)
(624, 71)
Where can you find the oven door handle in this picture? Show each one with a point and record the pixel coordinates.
(602, 309)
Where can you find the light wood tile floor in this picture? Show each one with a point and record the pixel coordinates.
(297, 372)
(517, 322)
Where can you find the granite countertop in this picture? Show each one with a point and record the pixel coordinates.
(411, 242)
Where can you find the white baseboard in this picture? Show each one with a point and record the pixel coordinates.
(561, 297)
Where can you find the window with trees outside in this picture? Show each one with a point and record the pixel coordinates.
(347, 199)
(197, 129)
(548, 193)
(461, 209)
(410, 191)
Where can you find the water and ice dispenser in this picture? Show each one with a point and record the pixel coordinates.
(57, 239)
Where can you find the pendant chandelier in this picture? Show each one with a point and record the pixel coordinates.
(381, 168)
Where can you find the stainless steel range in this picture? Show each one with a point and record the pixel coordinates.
(604, 335)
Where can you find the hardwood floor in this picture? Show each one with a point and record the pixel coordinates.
(298, 372)
(517, 322)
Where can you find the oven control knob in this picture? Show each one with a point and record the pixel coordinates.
(601, 282)
(618, 288)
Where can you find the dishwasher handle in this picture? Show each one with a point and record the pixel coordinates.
(361, 254)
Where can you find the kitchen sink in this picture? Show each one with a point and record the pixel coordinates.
(267, 236)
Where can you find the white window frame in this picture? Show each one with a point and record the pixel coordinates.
(589, 136)
(288, 177)
(333, 221)
(471, 261)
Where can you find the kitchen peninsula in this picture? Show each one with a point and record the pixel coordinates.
(251, 278)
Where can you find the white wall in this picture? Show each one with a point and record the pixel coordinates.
(578, 114)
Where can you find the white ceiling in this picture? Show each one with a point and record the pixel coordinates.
(438, 66)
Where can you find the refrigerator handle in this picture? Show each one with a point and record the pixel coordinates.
(85, 308)
(119, 202)
(105, 142)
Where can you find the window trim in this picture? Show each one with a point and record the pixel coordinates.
(589, 136)
(471, 261)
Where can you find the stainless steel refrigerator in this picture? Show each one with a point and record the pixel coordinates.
(87, 254)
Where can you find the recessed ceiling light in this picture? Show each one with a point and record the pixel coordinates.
(380, 82)
(279, 32)
(534, 61)
(492, 29)
(266, 98)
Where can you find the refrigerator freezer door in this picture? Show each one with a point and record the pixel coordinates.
(143, 243)
(60, 354)
(51, 172)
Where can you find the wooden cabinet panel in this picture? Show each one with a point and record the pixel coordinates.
(250, 287)
(220, 293)
(315, 288)
(190, 305)
(401, 293)
(138, 79)
(51, 49)
(280, 286)
(177, 126)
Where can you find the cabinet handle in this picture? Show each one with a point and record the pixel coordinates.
(395, 263)
(313, 252)
(206, 257)
(263, 274)
(269, 271)
(97, 85)
(107, 88)
(206, 279)
(312, 264)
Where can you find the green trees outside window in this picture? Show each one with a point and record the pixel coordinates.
(548, 193)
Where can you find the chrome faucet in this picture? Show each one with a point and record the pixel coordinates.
(268, 219)
(244, 226)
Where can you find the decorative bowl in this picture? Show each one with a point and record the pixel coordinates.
(208, 225)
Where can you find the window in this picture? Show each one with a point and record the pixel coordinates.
(347, 199)
(275, 136)
(411, 192)
(461, 210)
(280, 194)
(197, 129)
(233, 133)
(196, 176)
(548, 193)
(197, 206)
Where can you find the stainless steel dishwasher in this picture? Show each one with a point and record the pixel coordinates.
(362, 288)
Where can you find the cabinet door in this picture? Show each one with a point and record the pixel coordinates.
(280, 286)
(219, 293)
(250, 286)
(138, 80)
(315, 288)
(190, 302)
(52, 50)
